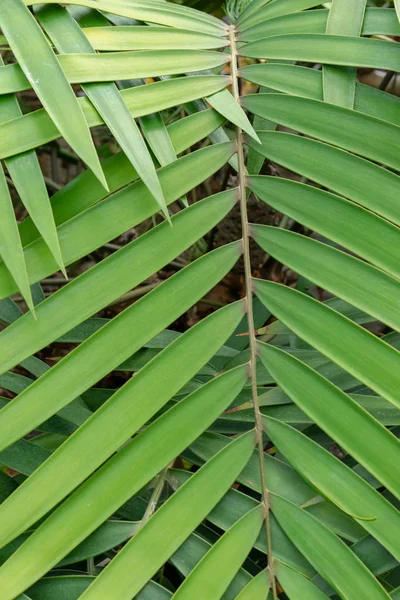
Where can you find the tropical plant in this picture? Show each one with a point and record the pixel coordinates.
(265, 464)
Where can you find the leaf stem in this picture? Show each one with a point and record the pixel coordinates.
(250, 317)
(155, 496)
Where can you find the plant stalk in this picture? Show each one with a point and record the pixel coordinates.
(250, 316)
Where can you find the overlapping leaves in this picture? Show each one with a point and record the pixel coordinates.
(102, 464)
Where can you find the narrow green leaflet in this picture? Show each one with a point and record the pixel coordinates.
(382, 410)
(318, 119)
(340, 82)
(397, 7)
(281, 477)
(178, 516)
(227, 106)
(338, 415)
(276, 9)
(110, 279)
(355, 349)
(307, 82)
(309, 158)
(255, 160)
(85, 190)
(10, 244)
(150, 38)
(335, 271)
(116, 421)
(37, 128)
(139, 64)
(125, 474)
(212, 575)
(161, 13)
(193, 550)
(327, 49)
(295, 585)
(330, 556)
(338, 483)
(47, 78)
(377, 21)
(27, 177)
(158, 138)
(251, 8)
(209, 270)
(232, 507)
(377, 240)
(109, 219)
(89, 67)
(256, 588)
(69, 38)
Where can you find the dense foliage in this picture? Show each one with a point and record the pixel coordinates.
(228, 466)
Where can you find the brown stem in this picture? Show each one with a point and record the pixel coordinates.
(250, 317)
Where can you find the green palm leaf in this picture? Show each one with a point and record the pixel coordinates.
(210, 578)
(306, 393)
(101, 426)
(353, 494)
(45, 75)
(327, 552)
(225, 466)
(157, 459)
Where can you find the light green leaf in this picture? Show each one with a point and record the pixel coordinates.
(126, 473)
(27, 177)
(150, 38)
(109, 219)
(335, 271)
(10, 244)
(338, 483)
(85, 190)
(318, 119)
(227, 106)
(295, 585)
(157, 137)
(380, 409)
(212, 575)
(327, 49)
(397, 7)
(37, 128)
(340, 82)
(309, 158)
(116, 420)
(331, 216)
(155, 12)
(68, 37)
(355, 349)
(307, 82)
(42, 69)
(330, 556)
(89, 67)
(256, 588)
(338, 415)
(179, 516)
(377, 21)
(276, 9)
